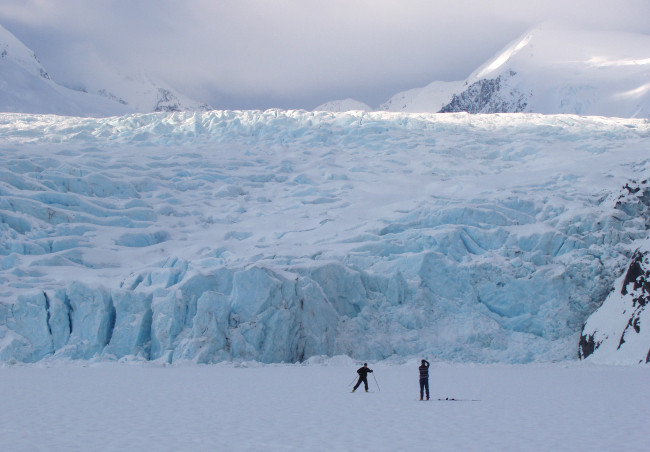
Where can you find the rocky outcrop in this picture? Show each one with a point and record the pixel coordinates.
(619, 331)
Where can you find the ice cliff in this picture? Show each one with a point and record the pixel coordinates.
(281, 235)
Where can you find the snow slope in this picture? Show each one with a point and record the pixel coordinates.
(431, 98)
(249, 407)
(549, 70)
(343, 105)
(281, 235)
(26, 87)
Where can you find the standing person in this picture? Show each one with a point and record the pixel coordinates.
(363, 376)
(424, 378)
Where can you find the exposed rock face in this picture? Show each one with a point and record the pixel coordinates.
(489, 96)
(619, 330)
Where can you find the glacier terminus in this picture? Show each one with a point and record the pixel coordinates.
(277, 236)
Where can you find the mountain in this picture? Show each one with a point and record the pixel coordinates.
(548, 70)
(26, 87)
(343, 105)
(420, 100)
(145, 94)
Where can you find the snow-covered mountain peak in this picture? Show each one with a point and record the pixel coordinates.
(11, 49)
(550, 47)
(550, 70)
(146, 94)
(343, 105)
(26, 87)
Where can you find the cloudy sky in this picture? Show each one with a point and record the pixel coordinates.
(243, 54)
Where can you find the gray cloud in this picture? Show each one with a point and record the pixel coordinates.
(291, 53)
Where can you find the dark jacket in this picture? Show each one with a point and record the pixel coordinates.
(424, 371)
(363, 372)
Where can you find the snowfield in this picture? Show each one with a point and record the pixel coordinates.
(248, 407)
(279, 235)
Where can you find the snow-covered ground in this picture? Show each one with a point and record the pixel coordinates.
(280, 235)
(111, 407)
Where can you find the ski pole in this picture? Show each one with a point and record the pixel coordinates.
(352, 381)
(373, 376)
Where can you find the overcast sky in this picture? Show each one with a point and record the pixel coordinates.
(243, 54)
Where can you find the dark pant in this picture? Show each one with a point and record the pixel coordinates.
(424, 383)
(365, 382)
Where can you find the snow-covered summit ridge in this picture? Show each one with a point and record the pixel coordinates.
(549, 70)
(277, 236)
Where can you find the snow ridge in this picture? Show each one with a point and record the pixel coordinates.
(11, 49)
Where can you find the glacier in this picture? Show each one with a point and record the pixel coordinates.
(277, 236)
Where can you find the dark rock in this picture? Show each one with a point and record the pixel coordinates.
(488, 96)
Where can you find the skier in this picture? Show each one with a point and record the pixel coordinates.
(424, 378)
(363, 376)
